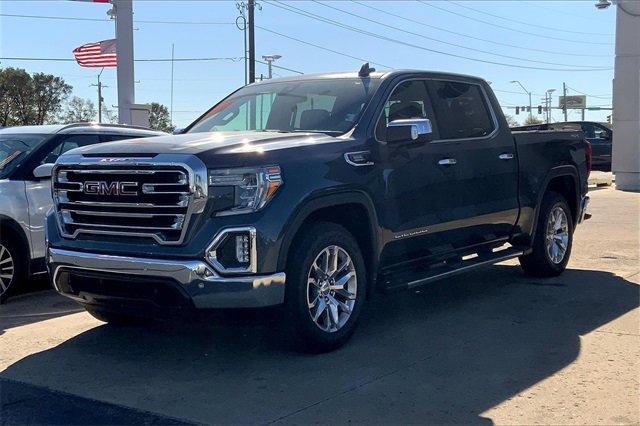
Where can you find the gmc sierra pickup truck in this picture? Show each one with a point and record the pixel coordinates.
(312, 192)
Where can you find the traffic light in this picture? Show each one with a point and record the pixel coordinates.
(517, 110)
(539, 109)
(609, 118)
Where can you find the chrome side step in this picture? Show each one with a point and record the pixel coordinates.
(416, 278)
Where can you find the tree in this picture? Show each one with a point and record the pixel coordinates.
(512, 122)
(159, 118)
(78, 110)
(48, 94)
(30, 99)
(532, 120)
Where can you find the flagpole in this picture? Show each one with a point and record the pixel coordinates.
(124, 48)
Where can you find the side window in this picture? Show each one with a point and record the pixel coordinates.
(71, 142)
(117, 137)
(461, 110)
(408, 100)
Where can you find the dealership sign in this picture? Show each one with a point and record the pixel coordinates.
(575, 102)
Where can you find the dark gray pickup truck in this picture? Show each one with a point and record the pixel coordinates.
(311, 193)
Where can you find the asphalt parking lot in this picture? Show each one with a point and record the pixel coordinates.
(493, 346)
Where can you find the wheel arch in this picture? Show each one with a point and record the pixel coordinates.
(353, 204)
(564, 180)
(10, 226)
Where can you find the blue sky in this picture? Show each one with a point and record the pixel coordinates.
(565, 35)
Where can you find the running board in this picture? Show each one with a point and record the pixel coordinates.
(411, 279)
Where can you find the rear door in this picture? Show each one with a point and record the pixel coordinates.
(483, 158)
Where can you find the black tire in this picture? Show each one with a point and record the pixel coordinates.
(309, 336)
(113, 318)
(539, 262)
(14, 260)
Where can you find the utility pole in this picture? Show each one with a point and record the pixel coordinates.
(124, 47)
(171, 106)
(564, 103)
(548, 96)
(252, 41)
(100, 98)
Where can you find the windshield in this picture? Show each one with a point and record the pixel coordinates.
(15, 148)
(324, 106)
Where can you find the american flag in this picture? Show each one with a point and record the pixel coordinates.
(97, 55)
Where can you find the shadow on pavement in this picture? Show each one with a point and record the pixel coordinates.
(443, 355)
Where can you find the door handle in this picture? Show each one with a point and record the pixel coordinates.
(447, 162)
(506, 156)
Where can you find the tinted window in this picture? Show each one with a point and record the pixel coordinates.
(71, 142)
(331, 105)
(14, 148)
(408, 100)
(461, 110)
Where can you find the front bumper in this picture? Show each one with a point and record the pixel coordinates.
(114, 279)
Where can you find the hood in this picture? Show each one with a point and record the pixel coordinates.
(208, 143)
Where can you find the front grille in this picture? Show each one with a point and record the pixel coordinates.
(147, 201)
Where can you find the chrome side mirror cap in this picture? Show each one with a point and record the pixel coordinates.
(409, 129)
(43, 171)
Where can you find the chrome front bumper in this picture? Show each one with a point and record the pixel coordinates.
(205, 287)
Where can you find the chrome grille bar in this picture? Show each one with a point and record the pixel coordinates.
(135, 197)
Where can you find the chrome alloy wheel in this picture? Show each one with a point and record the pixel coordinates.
(557, 235)
(6, 269)
(331, 288)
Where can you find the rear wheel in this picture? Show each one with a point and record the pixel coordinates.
(13, 267)
(553, 238)
(326, 287)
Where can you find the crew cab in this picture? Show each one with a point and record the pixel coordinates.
(27, 154)
(313, 192)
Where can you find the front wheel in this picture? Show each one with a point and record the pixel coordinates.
(326, 286)
(553, 238)
(13, 266)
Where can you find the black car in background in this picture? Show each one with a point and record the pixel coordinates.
(599, 135)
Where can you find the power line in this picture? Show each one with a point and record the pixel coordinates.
(278, 66)
(7, 58)
(508, 28)
(75, 18)
(605, 96)
(442, 41)
(527, 23)
(320, 47)
(477, 38)
(407, 44)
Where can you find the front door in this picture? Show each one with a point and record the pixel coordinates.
(38, 191)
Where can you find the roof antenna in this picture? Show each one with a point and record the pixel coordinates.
(365, 70)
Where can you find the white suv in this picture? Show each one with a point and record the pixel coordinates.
(27, 155)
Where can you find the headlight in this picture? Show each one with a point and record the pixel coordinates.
(243, 190)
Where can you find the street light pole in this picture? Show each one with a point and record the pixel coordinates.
(270, 59)
(528, 93)
(548, 96)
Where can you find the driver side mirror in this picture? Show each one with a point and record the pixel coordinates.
(409, 129)
(43, 171)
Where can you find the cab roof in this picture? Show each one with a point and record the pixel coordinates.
(379, 75)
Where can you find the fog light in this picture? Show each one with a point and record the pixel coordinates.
(242, 248)
(233, 250)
